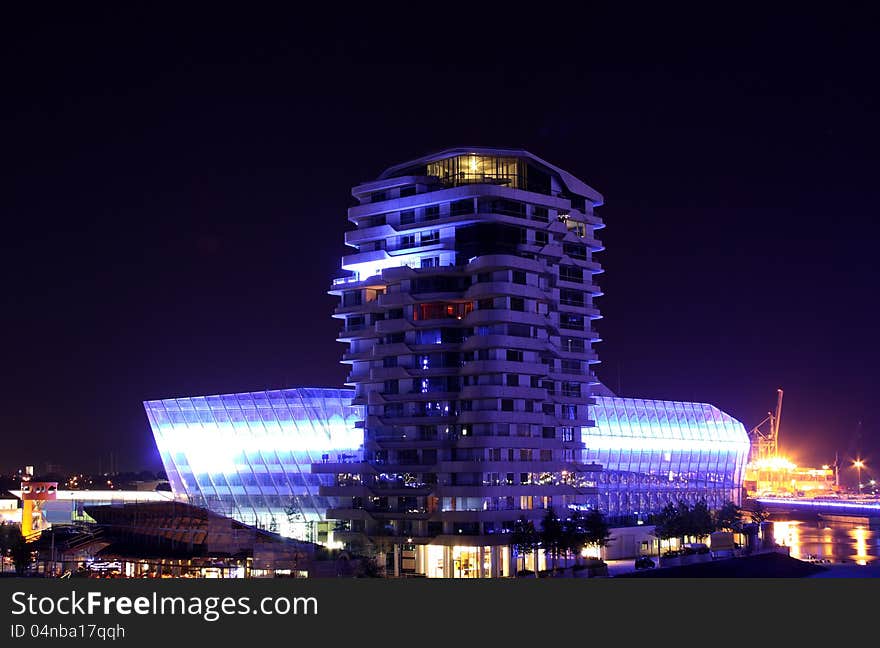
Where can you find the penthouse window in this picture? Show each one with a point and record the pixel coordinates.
(469, 169)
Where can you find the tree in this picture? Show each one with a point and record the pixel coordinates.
(597, 532)
(700, 522)
(551, 534)
(383, 543)
(683, 522)
(666, 524)
(13, 545)
(759, 514)
(574, 534)
(524, 538)
(368, 567)
(728, 517)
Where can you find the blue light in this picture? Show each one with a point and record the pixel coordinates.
(655, 452)
(249, 455)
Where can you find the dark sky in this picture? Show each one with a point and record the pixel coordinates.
(174, 188)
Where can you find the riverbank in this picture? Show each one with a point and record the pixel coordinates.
(765, 565)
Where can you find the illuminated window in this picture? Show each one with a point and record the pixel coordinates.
(465, 169)
(441, 310)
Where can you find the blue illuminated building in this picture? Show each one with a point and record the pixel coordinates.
(249, 455)
(467, 313)
(657, 452)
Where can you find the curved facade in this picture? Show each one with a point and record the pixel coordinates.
(216, 448)
(656, 452)
(249, 455)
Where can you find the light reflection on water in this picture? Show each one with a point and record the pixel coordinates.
(834, 540)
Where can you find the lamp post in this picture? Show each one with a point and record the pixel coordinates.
(859, 464)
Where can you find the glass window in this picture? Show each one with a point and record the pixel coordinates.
(431, 237)
(465, 169)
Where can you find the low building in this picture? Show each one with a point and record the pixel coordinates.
(170, 539)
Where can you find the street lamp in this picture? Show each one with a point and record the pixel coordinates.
(859, 464)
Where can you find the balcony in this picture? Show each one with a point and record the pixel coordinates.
(346, 281)
(401, 490)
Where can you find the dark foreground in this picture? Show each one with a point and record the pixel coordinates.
(767, 565)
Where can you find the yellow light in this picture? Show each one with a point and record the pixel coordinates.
(858, 463)
(773, 464)
(473, 163)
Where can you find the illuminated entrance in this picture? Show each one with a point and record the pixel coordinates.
(466, 562)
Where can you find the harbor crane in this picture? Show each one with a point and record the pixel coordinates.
(765, 435)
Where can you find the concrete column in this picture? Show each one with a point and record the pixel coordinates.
(396, 571)
(447, 562)
(481, 558)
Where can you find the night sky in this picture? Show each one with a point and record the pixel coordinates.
(174, 189)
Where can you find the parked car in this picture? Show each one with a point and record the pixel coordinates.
(644, 562)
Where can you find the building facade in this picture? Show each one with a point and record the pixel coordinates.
(467, 313)
(656, 452)
(651, 453)
(468, 317)
(249, 455)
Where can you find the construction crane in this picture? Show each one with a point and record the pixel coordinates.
(765, 442)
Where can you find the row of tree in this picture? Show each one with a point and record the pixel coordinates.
(560, 538)
(682, 520)
(564, 538)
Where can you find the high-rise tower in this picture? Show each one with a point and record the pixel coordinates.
(467, 315)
